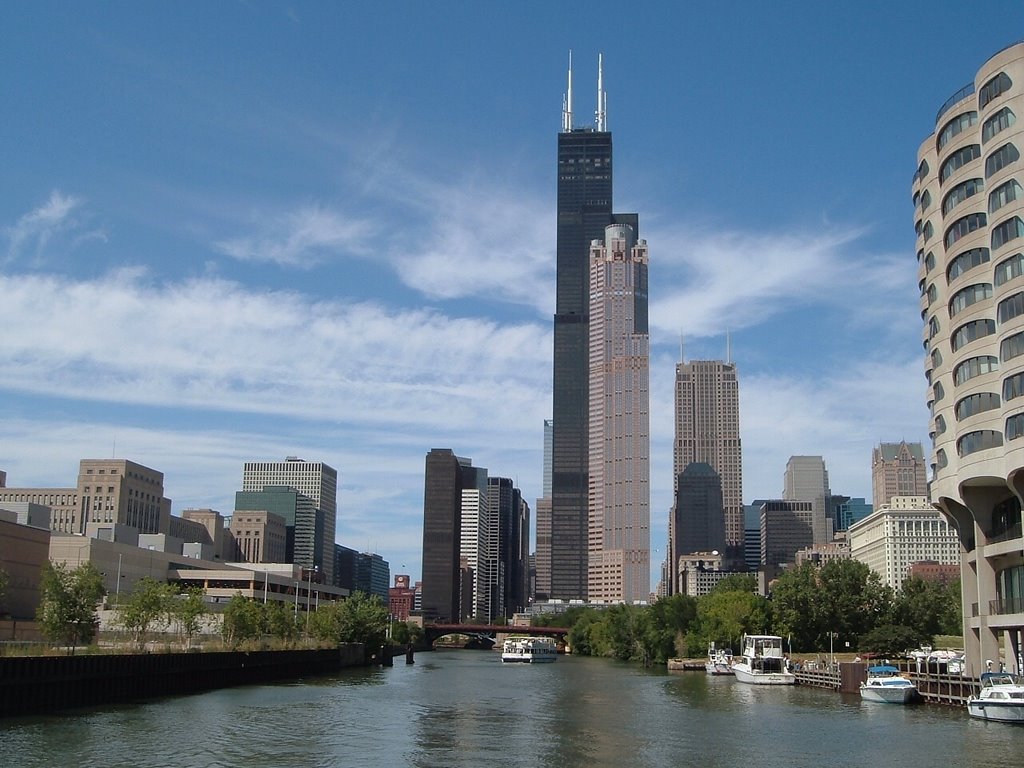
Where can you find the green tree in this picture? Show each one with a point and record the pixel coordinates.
(737, 582)
(244, 620)
(663, 625)
(282, 622)
(405, 632)
(360, 618)
(888, 640)
(928, 608)
(852, 601)
(723, 617)
(67, 605)
(188, 610)
(796, 609)
(147, 602)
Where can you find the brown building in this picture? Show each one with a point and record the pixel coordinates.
(23, 552)
(259, 536)
(897, 469)
(401, 598)
(930, 570)
(109, 492)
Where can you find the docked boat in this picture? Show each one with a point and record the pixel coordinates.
(887, 685)
(1001, 698)
(762, 662)
(531, 650)
(719, 661)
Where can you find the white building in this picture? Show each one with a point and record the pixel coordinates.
(904, 532)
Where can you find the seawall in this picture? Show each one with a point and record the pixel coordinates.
(43, 684)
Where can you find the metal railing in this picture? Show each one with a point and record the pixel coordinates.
(1004, 606)
(957, 97)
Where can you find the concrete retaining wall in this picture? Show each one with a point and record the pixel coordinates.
(42, 684)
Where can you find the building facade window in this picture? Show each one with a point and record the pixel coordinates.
(940, 458)
(965, 262)
(933, 327)
(926, 200)
(1013, 386)
(958, 160)
(964, 226)
(1015, 426)
(965, 297)
(1003, 194)
(994, 88)
(1007, 269)
(921, 172)
(1011, 347)
(929, 261)
(1000, 121)
(940, 424)
(1011, 307)
(932, 294)
(936, 358)
(956, 126)
(928, 230)
(981, 440)
(961, 192)
(976, 403)
(971, 331)
(1006, 231)
(974, 366)
(1004, 156)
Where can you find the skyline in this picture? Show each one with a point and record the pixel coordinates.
(239, 233)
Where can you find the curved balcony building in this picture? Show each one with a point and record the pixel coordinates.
(969, 218)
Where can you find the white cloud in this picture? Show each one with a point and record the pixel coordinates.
(708, 282)
(35, 229)
(303, 238)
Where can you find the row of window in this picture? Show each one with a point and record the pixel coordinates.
(956, 126)
(961, 192)
(1001, 158)
(965, 297)
(1002, 233)
(1000, 121)
(958, 160)
(994, 88)
(974, 366)
(1005, 271)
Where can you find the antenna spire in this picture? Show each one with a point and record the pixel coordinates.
(567, 101)
(682, 357)
(602, 98)
(728, 347)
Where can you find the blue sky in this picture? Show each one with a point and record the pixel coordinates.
(244, 230)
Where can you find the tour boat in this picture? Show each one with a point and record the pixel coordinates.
(531, 650)
(1001, 698)
(719, 661)
(762, 662)
(887, 685)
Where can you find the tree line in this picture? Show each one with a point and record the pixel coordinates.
(842, 601)
(68, 615)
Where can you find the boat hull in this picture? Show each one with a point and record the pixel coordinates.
(745, 675)
(717, 668)
(889, 695)
(999, 711)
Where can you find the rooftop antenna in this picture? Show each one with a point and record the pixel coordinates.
(602, 97)
(567, 101)
(682, 357)
(728, 347)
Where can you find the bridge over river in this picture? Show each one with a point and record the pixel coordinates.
(432, 632)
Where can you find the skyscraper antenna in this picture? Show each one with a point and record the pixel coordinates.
(567, 101)
(682, 357)
(728, 347)
(602, 97)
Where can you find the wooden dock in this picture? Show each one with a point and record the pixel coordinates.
(935, 688)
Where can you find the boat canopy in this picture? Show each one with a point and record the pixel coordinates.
(883, 670)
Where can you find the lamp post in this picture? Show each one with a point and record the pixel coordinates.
(117, 587)
(296, 601)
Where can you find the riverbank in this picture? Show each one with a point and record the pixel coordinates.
(33, 684)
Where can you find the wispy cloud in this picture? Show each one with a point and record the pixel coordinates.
(714, 281)
(303, 238)
(34, 230)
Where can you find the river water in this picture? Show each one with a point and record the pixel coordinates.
(465, 708)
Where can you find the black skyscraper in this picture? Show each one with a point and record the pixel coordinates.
(444, 480)
(584, 210)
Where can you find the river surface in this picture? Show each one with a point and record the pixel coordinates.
(465, 708)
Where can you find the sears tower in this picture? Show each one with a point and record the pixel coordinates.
(584, 210)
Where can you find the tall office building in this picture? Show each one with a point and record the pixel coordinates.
(619, 466)
(542, 558)
(699, 521)
(478, 545)
(584, 210)
(315, 481)
(445, 476)
(897, 469)
(512, 514)
(707, 430)
(806, 479)
(969, 219)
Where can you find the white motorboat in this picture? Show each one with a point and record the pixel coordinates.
(1001, 698)
(719, 661)
(762, 662)
(531, 650)
(887, 685)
